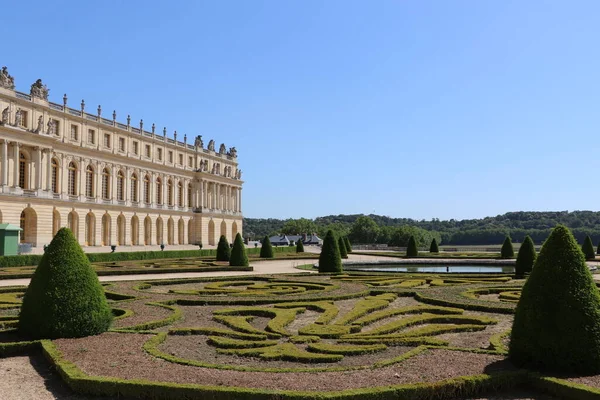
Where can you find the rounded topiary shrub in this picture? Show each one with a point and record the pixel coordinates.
(348, 245)
(411, 248)
(507, 250)
(342, 247)
(64, 298)
(223, 249)
(525, 258)
(330, 259)
(557, 320)
(266, 250)
(588, 248)
(239, 258)
(299, 247)
(434, 247)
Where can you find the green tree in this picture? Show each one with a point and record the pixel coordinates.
(411, 249)
(525, 258)
(300, 246)
(330, 259)
(588, 248)
(348, 245)
(556, 326)
(434, 246)
(299, 226)
(342, 247)
(239, 258)
(364, 230)
(266, 250)
(223, 249)
(507, 250)
(65, 298)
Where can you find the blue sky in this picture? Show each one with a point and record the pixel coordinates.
(421, 109)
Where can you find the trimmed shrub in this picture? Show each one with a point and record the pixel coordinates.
(223, 249)
(266, 250)
(411, 248)
(557, 320)
(299, 247)
(588, 248)
(525, 258)
(507, 250)
(342, 247)
(348, 245)
(330, 259)
(65, 298)
(434, 247)
(598, 250)
(239, 258)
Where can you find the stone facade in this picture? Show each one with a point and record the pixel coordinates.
(109, 182)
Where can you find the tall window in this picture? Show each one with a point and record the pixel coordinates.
(89, 181)
(54, 176)
(74, 135)
(107, 140)
(147, 189)
(180, 194)
(171, 157)
(159, 154)
(106, 184)
(23, 161)
(72, 179)
(134, 188)
(91, 136)
(148, 151)
(189, 193)
(121, 144)
(159, 190)
(181, 159)
(170, 192)
(136, 148)
(120, 186)
(190, 162)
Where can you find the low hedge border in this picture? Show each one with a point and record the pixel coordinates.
(228, 343)
(284, 352)
(496, 342)
(280, 317)
(25, 260)
(345, 350)
(12, 349)
(365, 306)
(429, 299)
(216, 332)
(120, 313)
(328, 309)
(175, 316)
(81, 383)
(379, 315)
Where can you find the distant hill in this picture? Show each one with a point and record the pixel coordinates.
(489, 230)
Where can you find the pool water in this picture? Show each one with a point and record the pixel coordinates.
(457, 269)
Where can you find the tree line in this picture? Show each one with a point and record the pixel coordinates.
(373, 229)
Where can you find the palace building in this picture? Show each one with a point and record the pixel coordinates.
(111, 183)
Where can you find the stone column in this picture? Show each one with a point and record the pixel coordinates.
(240, 200)
(98, 184)
(48, 170)
(4, 163)
(113, 187)
(81, 181)
(38, 168)
(16, 164)
(127, 188)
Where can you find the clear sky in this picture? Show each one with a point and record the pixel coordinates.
(421, 109)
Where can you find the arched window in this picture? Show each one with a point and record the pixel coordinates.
(189, 196)
(120, 186)
(134, 188)
(180, 194)
(72, 179)
(170, 192)
(147, 189)
(106, 184)
(54, 175)
(89, 181)
(23, 171)
(159, 189)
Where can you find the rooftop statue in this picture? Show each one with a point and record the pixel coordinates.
(5, 113)
(199, 143)
(38, 89)
(6, 80)
(211, 145)
(222, 149)
(232, 152)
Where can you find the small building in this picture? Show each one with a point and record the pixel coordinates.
(285, 240)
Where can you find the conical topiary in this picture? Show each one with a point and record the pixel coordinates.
(330, 259)
(411, 248)
(588, 248)
(342, 247)
(507, 250)
(525, 258)
(300, 246)
(348, 245)
(238, 258)
(266, 250)
(557, 320)
(223, 249)
(434, 247)
(64, 298)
